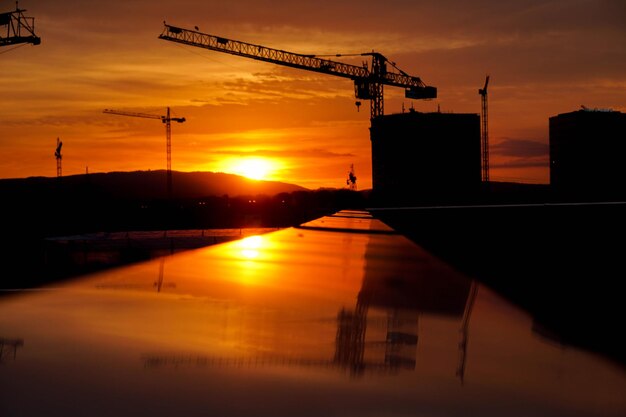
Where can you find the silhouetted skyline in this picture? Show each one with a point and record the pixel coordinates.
(544, 58)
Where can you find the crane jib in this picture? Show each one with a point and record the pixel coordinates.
(277, 56)
(262, 53)
(368, 82)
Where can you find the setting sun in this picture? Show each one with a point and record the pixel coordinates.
(254, 168)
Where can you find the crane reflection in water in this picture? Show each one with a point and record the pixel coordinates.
(379, 334)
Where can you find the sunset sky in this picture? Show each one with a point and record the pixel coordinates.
(543, 57)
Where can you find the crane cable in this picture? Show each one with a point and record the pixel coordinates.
(12, 49)
(185, 48)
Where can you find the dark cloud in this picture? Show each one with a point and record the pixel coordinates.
(521, 163)
(524, 148)
(519, 153)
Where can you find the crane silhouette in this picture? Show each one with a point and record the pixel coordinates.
(484, 132)
(167, 119)
(351, 181)
(368, 80)
(58, 156)
(19, 29)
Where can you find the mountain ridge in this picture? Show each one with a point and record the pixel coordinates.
(150, 184)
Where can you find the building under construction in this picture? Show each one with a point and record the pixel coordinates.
(587, 149)
(426, 158)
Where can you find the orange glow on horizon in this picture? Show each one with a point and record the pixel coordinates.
(256, 168)
(304, 124)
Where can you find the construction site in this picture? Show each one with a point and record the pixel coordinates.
(417, 158)
(281, 310)
(442, 158)
(431, 182)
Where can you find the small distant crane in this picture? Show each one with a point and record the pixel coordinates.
(19, 29)
(168, 135)
(351, 181)
(484, 132)
(58, 156)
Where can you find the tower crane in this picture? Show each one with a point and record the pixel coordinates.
(351, 181)
(484, 132)
(168, 136)
(58, 156)
(368, 81)
(19, 29)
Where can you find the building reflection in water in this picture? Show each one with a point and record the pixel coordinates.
(403, 293)
(397, 293)
(304, 321)
(8, 348)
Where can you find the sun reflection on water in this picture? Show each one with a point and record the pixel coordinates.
(250, 252)
(249, 247)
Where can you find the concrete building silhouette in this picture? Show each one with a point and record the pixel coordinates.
(425, 157)
(587, 149)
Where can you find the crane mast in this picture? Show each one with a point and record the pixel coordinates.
(368, 82)
(168, 135)
(58, 157)
(351, 181)
(484, 131)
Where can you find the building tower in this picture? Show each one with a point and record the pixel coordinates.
(586, 154)
(429, 158)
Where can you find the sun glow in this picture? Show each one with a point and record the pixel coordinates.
(250, 246)
(254, 168)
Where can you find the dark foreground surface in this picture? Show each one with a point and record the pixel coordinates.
(342, 316)
(47, 236)
(564, 262)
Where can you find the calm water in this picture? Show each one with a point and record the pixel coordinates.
(341, 317)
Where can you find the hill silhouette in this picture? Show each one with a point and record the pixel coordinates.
(138, 200)
(144, 185)
(35, 210)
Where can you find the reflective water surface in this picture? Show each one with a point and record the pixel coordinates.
(340, 317)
